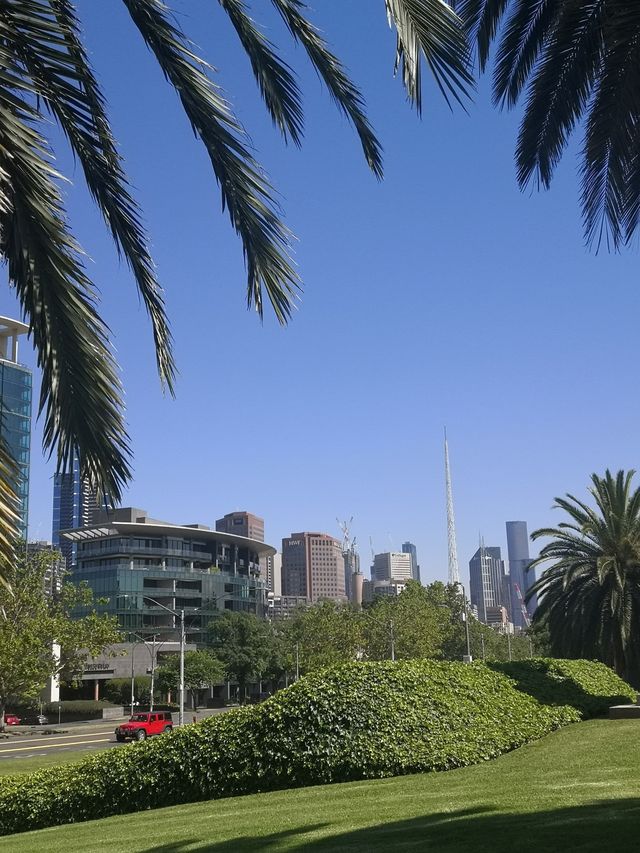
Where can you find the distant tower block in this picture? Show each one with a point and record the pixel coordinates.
(454, 573)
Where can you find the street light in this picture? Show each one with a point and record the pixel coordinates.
(152, 652)
(180, 615)
(465, 615)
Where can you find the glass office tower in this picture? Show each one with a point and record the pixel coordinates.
(15, 410)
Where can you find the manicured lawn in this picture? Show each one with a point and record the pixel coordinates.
(578, 789)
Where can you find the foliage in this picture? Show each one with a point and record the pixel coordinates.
(589, 686)
(412, 620)
(590, 595)
(325, 633)
(201, 669)
(354, 721)
(576, 65)
(32, 621)
(118, 690)
(241, 641)
(47, 74)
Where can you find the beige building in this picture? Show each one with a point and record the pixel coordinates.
(242, 524)
(392, 566)
(313, 567)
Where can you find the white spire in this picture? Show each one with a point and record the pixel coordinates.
(454, 573)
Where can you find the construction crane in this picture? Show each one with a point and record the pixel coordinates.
(523, 606)
(345, 527)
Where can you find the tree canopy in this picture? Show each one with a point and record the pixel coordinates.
(34, 618)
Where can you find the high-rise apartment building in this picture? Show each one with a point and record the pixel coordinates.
(313, 567)
(392, 566)
(520, 579)
(242, 524)
(410, 548)
(488, 581)
(15, 411)
(147, 571)
(351, 568)
(74, 505)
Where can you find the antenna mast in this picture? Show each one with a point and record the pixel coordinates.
(454, 573)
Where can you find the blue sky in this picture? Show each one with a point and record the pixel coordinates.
(442, 296)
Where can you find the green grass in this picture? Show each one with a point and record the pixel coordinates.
(577, 789)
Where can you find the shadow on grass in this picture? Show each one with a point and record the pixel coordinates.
(609, 825)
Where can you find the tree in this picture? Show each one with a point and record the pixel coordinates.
(201, 669)
(412, 623)
(31, 622)
(590, 595)
(47, 73)
(576, 64)
(242, 642)
(323, 634)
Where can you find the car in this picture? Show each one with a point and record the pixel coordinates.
(35, 720)
(11, 720)
(141, 726)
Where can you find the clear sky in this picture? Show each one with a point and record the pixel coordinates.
(442, 296)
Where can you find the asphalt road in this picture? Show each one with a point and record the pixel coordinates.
(71, 737)
(30, 745)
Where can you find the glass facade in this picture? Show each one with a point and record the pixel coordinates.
(15, 427)
(137, 575)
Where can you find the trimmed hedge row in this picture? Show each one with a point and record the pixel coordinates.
(355, 721)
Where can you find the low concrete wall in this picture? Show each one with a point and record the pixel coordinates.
(114, 713)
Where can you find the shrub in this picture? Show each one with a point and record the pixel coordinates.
(355, 721)
(118, 690)
(70, 709)
(589, 686)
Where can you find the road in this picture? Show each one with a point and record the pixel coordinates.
(70, 737)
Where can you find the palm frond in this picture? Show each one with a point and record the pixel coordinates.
(81, 393)
(44, 34)
(246, 191)
(275, 79)
(560, 89)
(9, 518)
(332, 73)
(482, 19)
(431, 28)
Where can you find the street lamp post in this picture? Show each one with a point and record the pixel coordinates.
(466, 658)
(180, 615)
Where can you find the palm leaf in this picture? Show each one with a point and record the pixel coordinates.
(430, 28)
(44, 36)
(332, 73)
(81, 393)
(275, 79)
(246, 192)
(9, 517)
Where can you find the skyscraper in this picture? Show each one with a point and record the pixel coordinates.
(74, 505)
(313, 567)
(410, 548)
(520, 579)
(242, 524)
(392, 566)
(488, 581)
(15, 411)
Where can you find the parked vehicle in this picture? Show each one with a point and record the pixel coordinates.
(142, 726)
(35, 720)
(11, 720)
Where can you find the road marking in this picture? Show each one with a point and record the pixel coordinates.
(51, 744)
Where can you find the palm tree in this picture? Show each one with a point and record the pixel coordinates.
(575, 63)
(45, 72)
(590, 596)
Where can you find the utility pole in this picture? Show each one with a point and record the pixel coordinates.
(509, 643)
(182, 643)
(133, 682)
(393, 641)
(297, 661)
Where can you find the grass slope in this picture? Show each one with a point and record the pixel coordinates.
(577, 789)
(21, 766)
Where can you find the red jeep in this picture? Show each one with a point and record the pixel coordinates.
(141, 726)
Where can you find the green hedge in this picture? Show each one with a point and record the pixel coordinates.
(589, 686)
(71, 709)
(360, 720)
